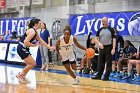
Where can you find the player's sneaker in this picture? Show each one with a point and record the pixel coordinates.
(26, 79)
(76, 81)
(136, 79)
(21, 78)
(126, 77)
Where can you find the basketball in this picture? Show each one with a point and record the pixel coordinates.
(90, 53)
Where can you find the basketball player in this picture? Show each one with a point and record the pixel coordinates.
(64, 48)
(134, 62)
(23, 48)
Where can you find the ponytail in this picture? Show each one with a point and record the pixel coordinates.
(33, 22)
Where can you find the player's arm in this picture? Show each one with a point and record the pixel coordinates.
(88, 40)
(30, 34)
(131, 55)
(49, 41)
(138, 52)
(78, 45)
(57, 47)
(114, 43)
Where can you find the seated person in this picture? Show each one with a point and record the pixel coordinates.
(128, 53)
(13, 36)
(7, 35)
(1, 37)
(91, 43)
(131, 63)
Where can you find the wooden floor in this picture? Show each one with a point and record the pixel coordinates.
(50, 82)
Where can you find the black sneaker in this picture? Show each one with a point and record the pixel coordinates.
(87, 71)
(96, 77)
(81, 71)
(105, 79)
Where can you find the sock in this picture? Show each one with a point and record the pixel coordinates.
(129, 74)
(121, 71)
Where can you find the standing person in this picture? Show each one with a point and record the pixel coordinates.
(64, 48)
(2, 37)
(118, 49)
(23, 48)
(50, 52)
(44, 34)
(106, 36)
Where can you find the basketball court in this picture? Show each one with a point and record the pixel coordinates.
(79, 18)
(56, 80)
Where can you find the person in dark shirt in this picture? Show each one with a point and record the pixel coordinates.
(128, 53)
(118, 49)
(90, 43)
(131, 63)
(23, 48)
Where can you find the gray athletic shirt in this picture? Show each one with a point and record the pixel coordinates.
(106, 35)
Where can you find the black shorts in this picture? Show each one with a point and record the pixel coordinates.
(116, 56)
(22, 51)
(68, 62)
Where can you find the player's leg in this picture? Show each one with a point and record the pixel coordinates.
(82, 64)
(45, 52)
(30, 63)
(42, 58)
(67, 67)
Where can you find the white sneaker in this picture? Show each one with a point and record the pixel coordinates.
(76, 81)
(27, 80)
(20, 78)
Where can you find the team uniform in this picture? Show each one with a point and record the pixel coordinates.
(22, 50)
(66, 51)
(118, 48)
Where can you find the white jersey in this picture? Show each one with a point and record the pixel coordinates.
(66, 50)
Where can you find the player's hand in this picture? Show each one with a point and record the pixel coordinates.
(113, 51)
(135, 55)
(52, 48)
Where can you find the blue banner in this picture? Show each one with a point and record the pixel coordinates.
(19, 25)
(127, 23)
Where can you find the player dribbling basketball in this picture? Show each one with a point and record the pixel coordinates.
(64, 48)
